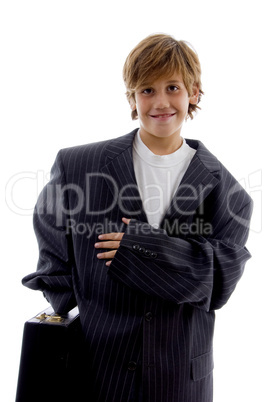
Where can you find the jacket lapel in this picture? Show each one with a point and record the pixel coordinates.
(195, 186)
(121, 180)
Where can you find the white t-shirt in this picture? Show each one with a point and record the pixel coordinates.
(158, 177)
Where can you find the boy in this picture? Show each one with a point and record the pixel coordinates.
(146, 233)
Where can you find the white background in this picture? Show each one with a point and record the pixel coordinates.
(61, 85)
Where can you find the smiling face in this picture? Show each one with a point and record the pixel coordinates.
(162, 107)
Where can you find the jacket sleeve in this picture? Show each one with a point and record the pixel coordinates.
(54, 270)
(197, 270)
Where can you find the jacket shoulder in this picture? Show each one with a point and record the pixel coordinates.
(95, 153)
(205, 156)
(226, 181)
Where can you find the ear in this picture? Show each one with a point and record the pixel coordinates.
(132, 104)
(193, 99)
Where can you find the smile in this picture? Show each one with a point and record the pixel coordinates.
(164, 116)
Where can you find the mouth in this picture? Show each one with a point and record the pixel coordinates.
(162, 116)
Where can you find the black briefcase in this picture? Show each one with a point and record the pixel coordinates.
(52, 363)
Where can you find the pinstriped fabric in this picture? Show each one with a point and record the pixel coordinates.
(149, 318)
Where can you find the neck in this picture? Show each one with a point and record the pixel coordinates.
(161, 145)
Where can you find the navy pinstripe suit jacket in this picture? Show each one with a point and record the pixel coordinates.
(150, 315)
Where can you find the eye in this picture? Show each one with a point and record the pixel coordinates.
(147, 91)
(173, 88)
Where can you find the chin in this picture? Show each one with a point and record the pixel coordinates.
(167, 133)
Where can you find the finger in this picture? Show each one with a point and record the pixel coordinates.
(107, 255)
(108, 244)
(125, 220)
(111, 236)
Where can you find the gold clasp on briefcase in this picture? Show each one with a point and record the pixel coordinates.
(50, 318)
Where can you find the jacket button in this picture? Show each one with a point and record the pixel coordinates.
(147, 253)
(153, 255)
(132, 366)
(148, 316)
(141, 250)
(136, 247)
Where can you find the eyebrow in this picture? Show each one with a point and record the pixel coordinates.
(149, 84)
(174, 82)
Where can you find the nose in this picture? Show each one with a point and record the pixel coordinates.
(161, 101)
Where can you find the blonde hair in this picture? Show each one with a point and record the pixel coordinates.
(157, 56)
